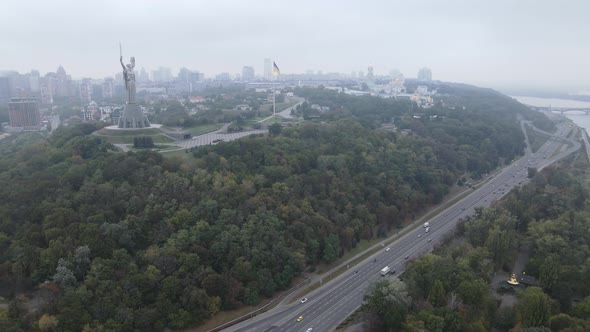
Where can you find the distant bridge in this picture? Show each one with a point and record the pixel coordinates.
(562, 110)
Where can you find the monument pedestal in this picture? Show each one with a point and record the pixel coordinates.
(133, 117)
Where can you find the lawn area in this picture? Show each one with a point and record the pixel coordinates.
(203, 129)
(178, 153)
(280, 106)
(535, 138)
(274, 120)
(155, 148)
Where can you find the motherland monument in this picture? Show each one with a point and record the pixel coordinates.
(132, 117)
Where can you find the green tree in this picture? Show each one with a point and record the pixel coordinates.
(389, 300)
(437, 295)
(331, 247)
(63, 276)
(500, 244)
(47, 323)
(534, 307)
(473, 292)
(275, 129)
(563, 321)
(549, 271)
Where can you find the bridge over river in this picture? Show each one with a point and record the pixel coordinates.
(561, 110)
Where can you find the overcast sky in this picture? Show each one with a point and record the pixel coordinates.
(498, 43)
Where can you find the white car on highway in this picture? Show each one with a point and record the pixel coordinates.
(303, 300)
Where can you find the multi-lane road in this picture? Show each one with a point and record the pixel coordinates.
(329, 305)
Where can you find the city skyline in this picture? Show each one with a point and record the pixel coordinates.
(503, 43)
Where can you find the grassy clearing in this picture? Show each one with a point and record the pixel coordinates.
(350, 320)
(279, 106)
(536, 139)
(199, 130)
(155, 148)
(226, 316)
(274, 120)
(178, 153)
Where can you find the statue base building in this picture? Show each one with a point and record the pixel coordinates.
(133, 118)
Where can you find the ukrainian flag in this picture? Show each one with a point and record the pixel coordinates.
(275, 68)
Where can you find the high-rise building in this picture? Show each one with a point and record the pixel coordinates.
(34, 83)
(370, 74)
(425, 74)
(143, 76)
(46, 90)
(247, 73)
(194, 76)
(24, 113)
(223, 77)
(4, 89)
(162, 74)
(19, 84)
(63, 84)
(267, 69)
(183, 74)
(86, 90)
(108, 87)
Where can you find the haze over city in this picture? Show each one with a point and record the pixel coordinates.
(533, 44)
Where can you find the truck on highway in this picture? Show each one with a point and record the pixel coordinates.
(385, 270)
(426, 224)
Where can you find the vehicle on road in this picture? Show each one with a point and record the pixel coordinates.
(309, 329)
(406, 257)
(426, 224)
(387, 249)
(427, 229)
(385, 270)
(429, 240)
(303, 300)
(419, 235)
(300, 318)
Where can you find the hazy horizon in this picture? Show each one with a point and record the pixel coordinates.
(524, 44)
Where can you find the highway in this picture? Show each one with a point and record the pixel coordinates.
(330, 304)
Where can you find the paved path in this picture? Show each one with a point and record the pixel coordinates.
(215, 137)
(286, 113)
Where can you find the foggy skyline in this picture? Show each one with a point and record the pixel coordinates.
(487, 43)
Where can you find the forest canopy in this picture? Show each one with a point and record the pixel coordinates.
(138, 241)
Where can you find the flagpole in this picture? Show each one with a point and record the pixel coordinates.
(274, 106)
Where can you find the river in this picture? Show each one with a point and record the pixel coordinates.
(580, 118)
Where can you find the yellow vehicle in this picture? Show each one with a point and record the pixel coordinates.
(300, 318)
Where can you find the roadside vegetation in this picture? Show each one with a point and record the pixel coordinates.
(454, 289)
